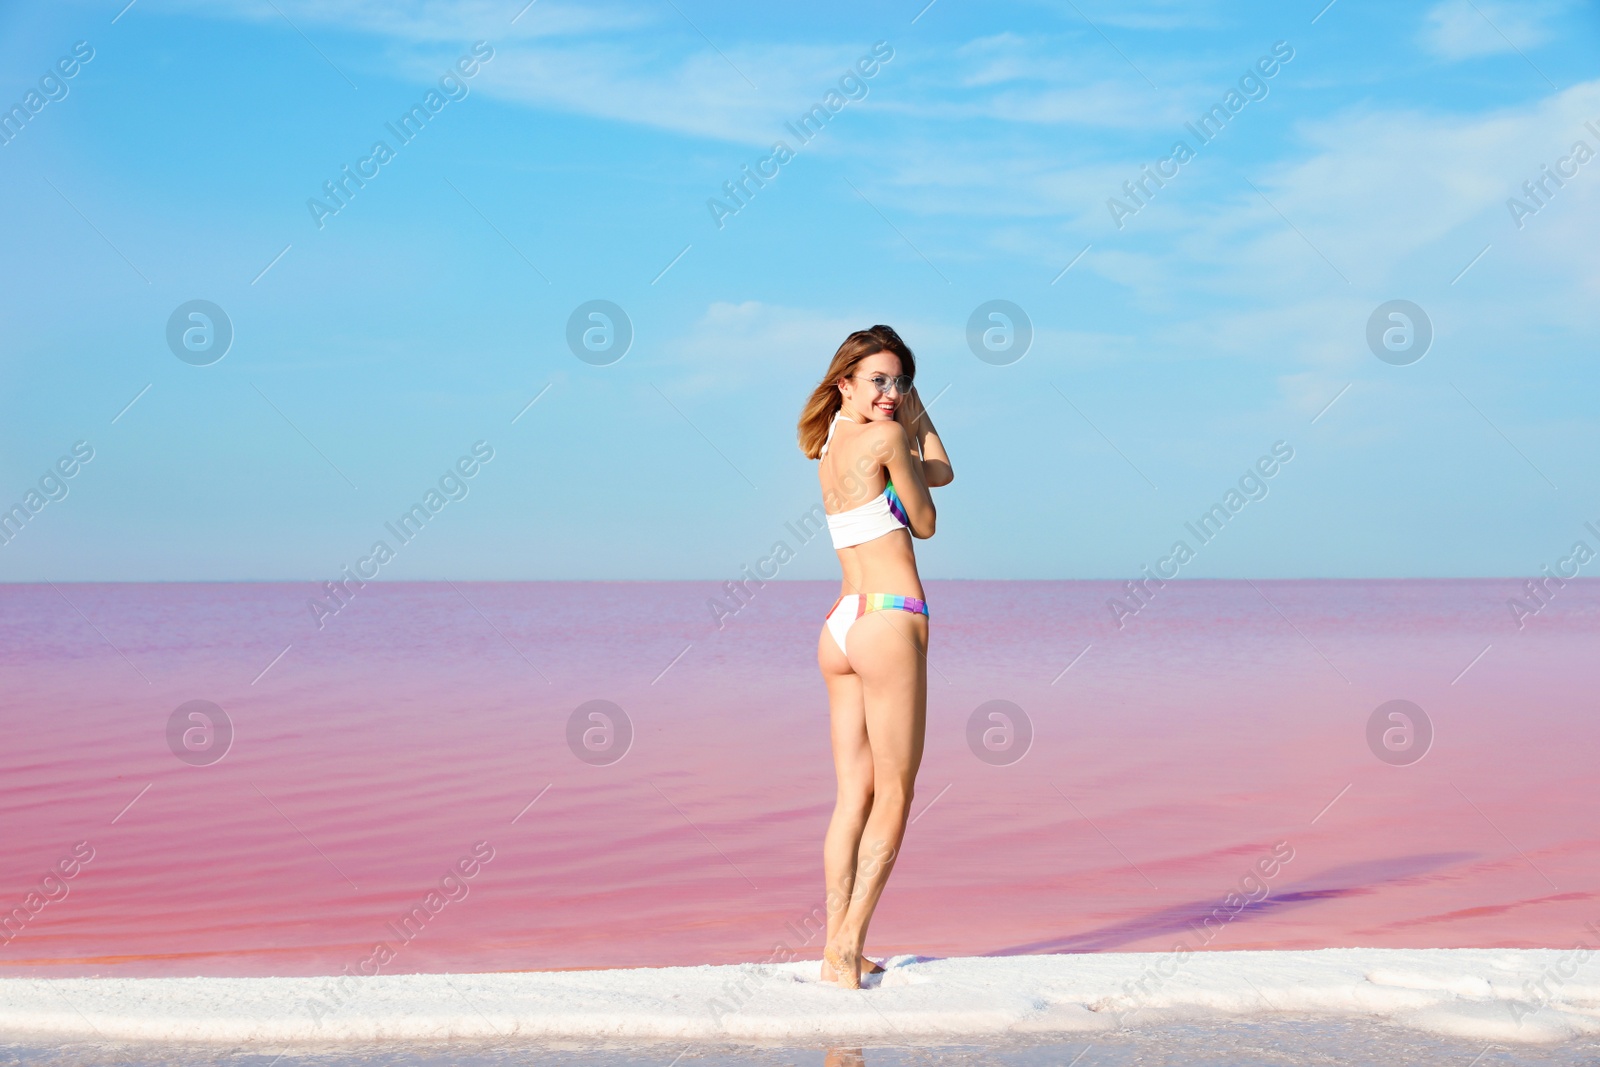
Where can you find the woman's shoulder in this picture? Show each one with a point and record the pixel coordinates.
(882, 439)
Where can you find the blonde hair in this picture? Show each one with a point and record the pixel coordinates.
(825, 400)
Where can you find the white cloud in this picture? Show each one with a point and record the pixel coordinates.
(1380, 188)
(735, 345)
(699, 93)
(1371, 189)
(1149, 14)
(1462, 29)
(443, 22)
(630, 73)
(642, 66)
(1048, 79)
(621, 62)
(1398, 200)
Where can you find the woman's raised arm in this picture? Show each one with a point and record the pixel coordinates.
(906, 470)
(911, 414)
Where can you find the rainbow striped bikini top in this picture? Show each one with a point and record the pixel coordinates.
(881, 515)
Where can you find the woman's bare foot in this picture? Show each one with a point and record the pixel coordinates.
(867, 967)
(846, 964)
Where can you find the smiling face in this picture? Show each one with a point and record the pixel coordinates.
(862, 401)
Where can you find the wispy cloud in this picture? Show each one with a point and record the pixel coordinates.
(1462, 29)
(733, 345)
(444, 22)
(1161, 15)
(693, 91)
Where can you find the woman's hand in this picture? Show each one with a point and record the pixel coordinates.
(911, 414)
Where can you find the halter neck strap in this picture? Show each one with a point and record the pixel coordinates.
(831, 427)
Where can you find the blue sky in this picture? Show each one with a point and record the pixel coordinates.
(1221, 317)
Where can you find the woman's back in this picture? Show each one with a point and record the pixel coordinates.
(857, 495)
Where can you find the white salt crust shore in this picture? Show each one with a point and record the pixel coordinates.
(1508, 996)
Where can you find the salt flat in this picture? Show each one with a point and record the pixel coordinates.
(1524, 996)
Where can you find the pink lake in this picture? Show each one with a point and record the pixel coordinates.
(372, 755)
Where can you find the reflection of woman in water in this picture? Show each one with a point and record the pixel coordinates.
(878, 455)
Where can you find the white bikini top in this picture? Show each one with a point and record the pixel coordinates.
(881, 515)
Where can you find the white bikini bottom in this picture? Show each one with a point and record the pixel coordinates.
(847, 609)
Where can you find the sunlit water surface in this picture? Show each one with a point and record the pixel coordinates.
(422, 721)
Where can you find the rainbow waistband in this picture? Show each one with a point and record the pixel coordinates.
(866, 602)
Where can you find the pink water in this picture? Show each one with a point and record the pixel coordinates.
(424, 718)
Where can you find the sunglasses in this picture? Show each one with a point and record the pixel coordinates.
(882, 382)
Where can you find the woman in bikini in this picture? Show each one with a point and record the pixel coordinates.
(878, 456)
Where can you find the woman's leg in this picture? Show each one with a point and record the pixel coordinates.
(888, 653)
(852, 763)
